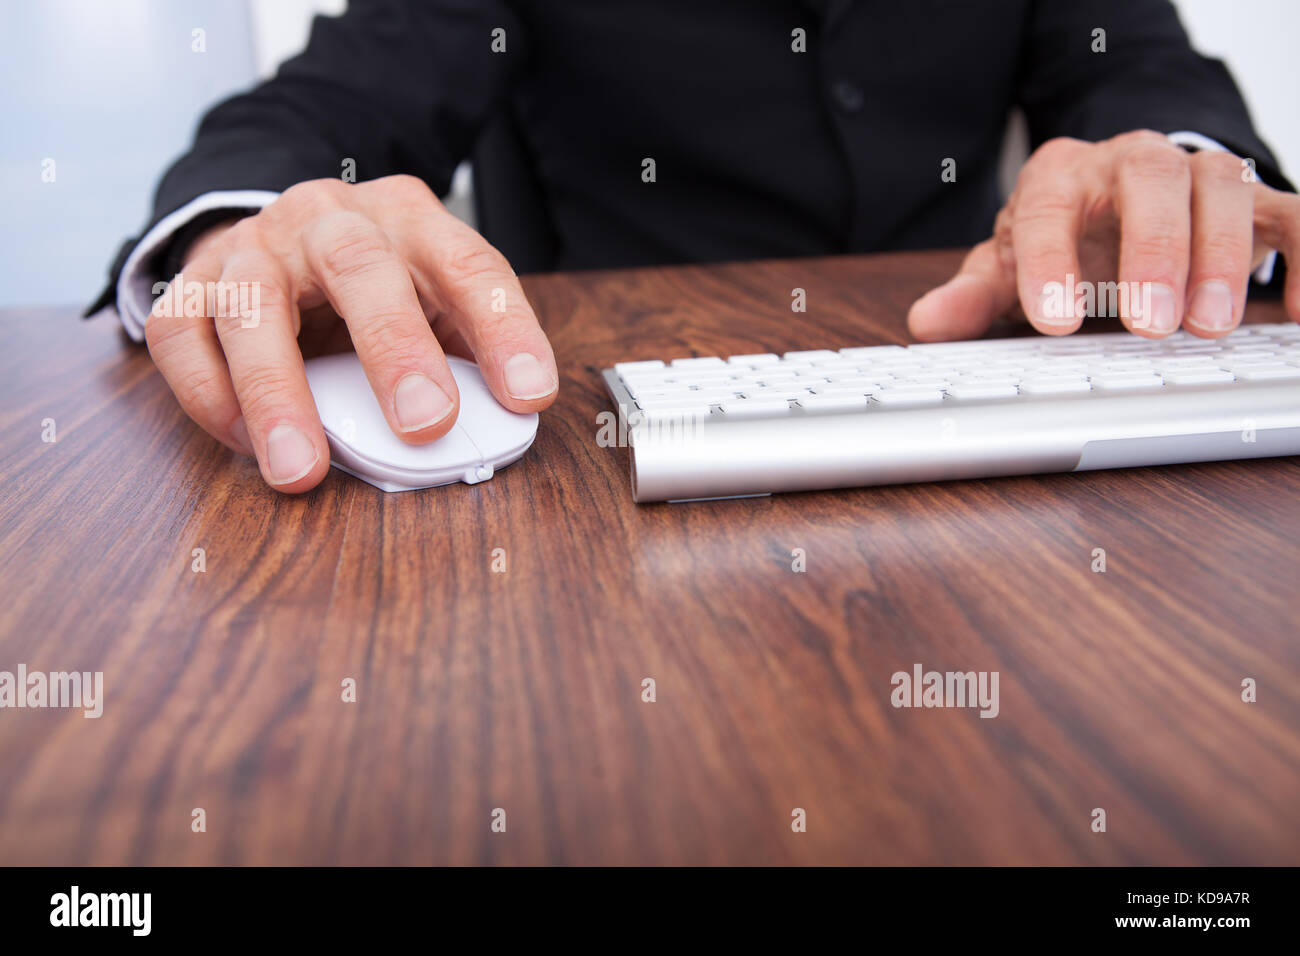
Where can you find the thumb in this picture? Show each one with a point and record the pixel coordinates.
(965, 306)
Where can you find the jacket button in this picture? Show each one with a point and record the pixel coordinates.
(848, 96)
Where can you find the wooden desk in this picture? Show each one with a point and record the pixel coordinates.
(522, 690)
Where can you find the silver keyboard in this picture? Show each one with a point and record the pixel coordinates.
(957, 409)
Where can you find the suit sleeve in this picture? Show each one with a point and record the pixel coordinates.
(392, 86)
(1148, 77)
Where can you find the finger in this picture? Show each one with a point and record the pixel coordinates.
(1277, 224)
(1045, 230)
(369, 285)
(967, 304)
(256, 326)
(1223, 223)
(1152, 191)
(185, 349)
(476, 286)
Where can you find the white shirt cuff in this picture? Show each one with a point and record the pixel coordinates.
(135, 294)
(1189, 139)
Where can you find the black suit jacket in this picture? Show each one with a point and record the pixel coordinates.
(759, 150)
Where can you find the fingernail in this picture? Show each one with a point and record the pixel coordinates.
(419, 402)
(239, 434)
(526, 378)
(289, 454)
(1211, 307)
(1057, 308)
(1158, 313)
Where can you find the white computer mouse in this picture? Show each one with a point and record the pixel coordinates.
(486, 435)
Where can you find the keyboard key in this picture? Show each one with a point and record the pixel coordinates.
(837, 388)
(1122, 365)
(1058, 370)
(965, 391)
(838, 365)
(1122, 381)
(708, 376)
(1186, 361)
(1252, 353)
(924, 379)
(712, 396)
(1071, 385)
(646, 380)
(1198, 376)
(624, 367)
(859, 378)
(810, 356)
(763, 358)
(710, 361)
(661, 395)
(952, 348)
(909, 396)
(977, 378)
(776, 391)
(832, 403)
(681, 413)
(1262, 373)
(756, 408)
(872, 352)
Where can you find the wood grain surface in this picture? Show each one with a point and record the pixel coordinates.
(522, 690)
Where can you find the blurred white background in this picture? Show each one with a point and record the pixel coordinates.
(111, 91)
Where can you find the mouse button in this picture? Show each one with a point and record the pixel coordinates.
(500, 432)
(453, 451)
(344, 401)
(494, 428)
(473, 389)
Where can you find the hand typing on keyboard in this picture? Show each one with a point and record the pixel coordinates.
(1137, 209)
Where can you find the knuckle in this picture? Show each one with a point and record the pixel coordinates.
(1154, 245)
(199, 391)
(405, 186)
(1143, 136)
(251, 284)
(1060, 147)
(1277, 215)
(1044, 206)
(273, 293)
(266, 390)
(347, 244)
(244, 234)
(312, 193)
(246, 264)
(1155, 161)
(1219, 167)
(1224, 251)
(466, 261)
(391, 341)
(164, 334)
